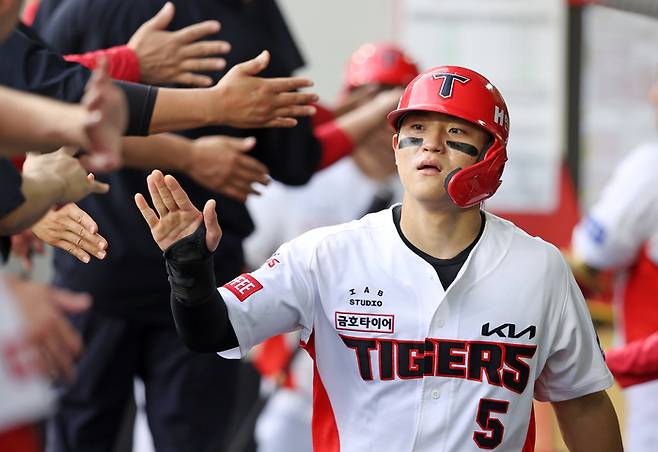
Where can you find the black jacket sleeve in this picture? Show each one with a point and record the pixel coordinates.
(199, 311)
(28, 64)
(11, 197)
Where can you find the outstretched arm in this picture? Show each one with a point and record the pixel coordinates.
(47, 180)
(240, 99)
(589, 423)
(34, 123)
(221, 164)
(188, 239)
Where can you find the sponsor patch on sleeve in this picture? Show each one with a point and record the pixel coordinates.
(372, 323)
(243, 286)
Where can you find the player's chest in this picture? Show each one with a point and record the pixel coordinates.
(410, 327)
(413, 304)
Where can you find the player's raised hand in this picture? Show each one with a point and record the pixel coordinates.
(167, 57)
(248, 101)
(176, 216)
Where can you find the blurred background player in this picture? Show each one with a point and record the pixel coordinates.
(620, 233)
(364, 182)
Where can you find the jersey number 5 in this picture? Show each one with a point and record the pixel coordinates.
(493, 429)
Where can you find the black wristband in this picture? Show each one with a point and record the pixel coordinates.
(190, 268)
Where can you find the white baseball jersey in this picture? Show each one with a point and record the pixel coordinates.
(402, 364)
(626, 216)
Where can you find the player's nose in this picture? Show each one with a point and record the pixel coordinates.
(433, 143)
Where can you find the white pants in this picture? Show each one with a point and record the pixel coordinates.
(641, 427)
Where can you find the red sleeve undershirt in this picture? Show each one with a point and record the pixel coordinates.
(123, 62)
(335, 143)
(636, 362)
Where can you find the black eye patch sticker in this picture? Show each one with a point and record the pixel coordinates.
(410, 141)
(464, 147)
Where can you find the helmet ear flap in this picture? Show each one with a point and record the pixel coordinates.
(472, 185)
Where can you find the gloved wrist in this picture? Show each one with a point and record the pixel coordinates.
(190, 268)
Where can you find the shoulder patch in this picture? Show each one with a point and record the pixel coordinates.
(243, 286)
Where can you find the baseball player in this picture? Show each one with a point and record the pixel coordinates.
(432, 324)
(620, 233)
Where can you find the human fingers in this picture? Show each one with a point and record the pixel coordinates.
(79, 216)
(72, 249)
(204, 49)
(71, 302)
(78, 223)
(213, 231)
(98, 187)
(292, 98)
(283, 84)
(78, 246)
(197, 31)
(188, 78)
(162, 18)
(178, 194)
(165, 193)
(58, 348)
(281, 123)
(255, 65)
(252, 170)
(149, 215)
(294, 111)
(234, 193)
(155, 195)
(242, 187)
(203, 64)
(243, 144)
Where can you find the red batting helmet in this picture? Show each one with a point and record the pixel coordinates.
(463, 93)
(384, 64)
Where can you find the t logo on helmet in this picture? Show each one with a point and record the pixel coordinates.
(449, 82)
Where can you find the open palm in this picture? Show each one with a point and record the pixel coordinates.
(176, 216)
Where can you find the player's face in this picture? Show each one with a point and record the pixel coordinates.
(429, 146)
(9, 10)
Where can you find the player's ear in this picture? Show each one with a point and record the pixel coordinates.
(394, 144)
